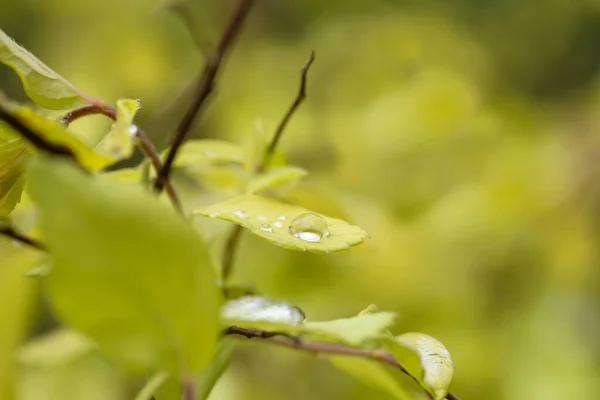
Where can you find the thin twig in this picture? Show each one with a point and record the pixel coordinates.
(10, 232)
(35, 139)
(205, 85)
(144, 143)
(230, 251)
(286, 118)
(298, 343)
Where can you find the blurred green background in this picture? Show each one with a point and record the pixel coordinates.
(462, 135)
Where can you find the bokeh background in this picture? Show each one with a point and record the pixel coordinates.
(463, 135)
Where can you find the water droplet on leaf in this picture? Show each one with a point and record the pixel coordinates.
(281, 217)
(309, 227)
(132, 130)
(262, 218)
(239, 214)
(278, 224)
(266, 228)
(214, 214)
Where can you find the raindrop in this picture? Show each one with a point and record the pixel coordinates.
(132, 130)
(239, 214)
(278, 224)
(281, 218)
(262, 218)
(266, 228)
(309, 227)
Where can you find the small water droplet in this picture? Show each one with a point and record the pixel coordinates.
(281, 218)
(309, 227)
(132, 130)
(139, 107)
(214, 214)
(239, 214)
(266, 228)
(278, 224)
(262, 218)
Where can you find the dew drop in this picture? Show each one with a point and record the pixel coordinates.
(309, 227)
(214, 214)
(239, 214)
(132, 130)
(278, 224)
(281, 218)
(262, 218)
(266, 228)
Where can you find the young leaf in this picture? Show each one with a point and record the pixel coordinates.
(127, 271)
(215, 369)
(435, 360)
(207, 151)
(152, 385)
(274, 178)
(44, 86)
(55, 348)
(286, 225)
(406, 356)
(353, 331)
(120, 141)
(13, 153)
(56, 133)
(399, 385)
(260, 312)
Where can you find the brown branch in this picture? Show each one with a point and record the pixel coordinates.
(10, 232)
(144, 143)
(205, 85)
(286, 118)
(35, 139)
(298, 343)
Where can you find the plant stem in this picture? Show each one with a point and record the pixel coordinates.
(205, 85)
(298, 343)
(10, 232)
(230, 251)
(286, 118)
(144, 143)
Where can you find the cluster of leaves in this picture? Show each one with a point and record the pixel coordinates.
(132, 279)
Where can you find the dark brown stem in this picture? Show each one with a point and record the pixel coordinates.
(144, 143)
(189, 390)
(205, 85)
(35, 139)
(378, 355)
(10, 232)
(230, 251)
(286, 118)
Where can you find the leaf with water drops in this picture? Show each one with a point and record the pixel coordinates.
(44, 86)
(392, 381)
(274, 178)
(258, 312)
(287, 225)
(120, 141)
(54, 132)
(436, 368)
(13, 153)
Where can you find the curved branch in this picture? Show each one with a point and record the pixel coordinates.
(298, 343)
(144, 143)
(205, 85)
(10, 232)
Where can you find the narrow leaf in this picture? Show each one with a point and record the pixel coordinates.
(275, 178)
(394, 382)
(215, 369)
(286, 225)
(133, 275)
(13, 153)
(120, 141)
(353, 331)
(435, 361)
(44, 86)
(152, 386)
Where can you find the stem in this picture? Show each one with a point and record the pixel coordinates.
(10, 232)
(189, 390)
(230, 251)
(35, 139)
(144, 143)
(205, 85)
(286, 118)
(298, 343)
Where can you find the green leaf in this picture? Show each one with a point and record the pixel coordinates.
(56, 133)
(396, 383)
(276, 221)
(13, 153)
(274, 178)
(354, 331)
(55, 348)
(406, 356)
(260, 312)
(152, 385)
(127, 271)
(120, 141)
(435, 361)
(216, 368)
(194, 153)
(44, 86)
